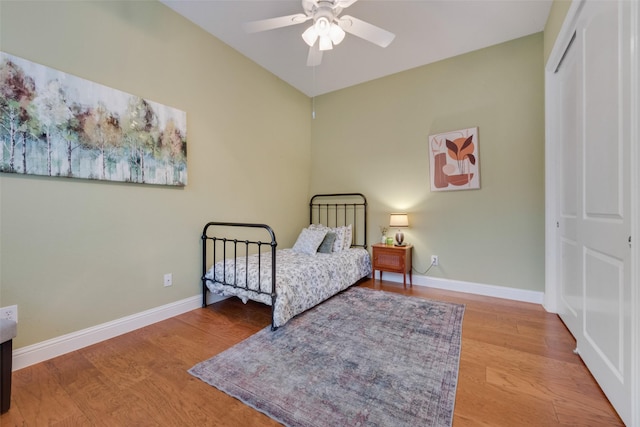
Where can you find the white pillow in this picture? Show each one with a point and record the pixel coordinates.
(309, 241)
(338, 244)
(348, 235)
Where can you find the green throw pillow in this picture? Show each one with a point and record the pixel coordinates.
(327, 243)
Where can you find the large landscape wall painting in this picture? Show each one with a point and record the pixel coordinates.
(56, 124)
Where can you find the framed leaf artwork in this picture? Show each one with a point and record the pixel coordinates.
(453, 160)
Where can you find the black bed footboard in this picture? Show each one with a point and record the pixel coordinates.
(216, 246)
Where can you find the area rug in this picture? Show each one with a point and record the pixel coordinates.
(363, 357)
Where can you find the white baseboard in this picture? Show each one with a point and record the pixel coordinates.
(471, 288)
(45, 350)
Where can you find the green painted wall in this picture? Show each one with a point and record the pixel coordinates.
(77, 253)
(373, 138)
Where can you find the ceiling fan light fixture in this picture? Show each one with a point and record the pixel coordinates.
(323, 25)
(336, 34)
(310, 35)
(325, 43)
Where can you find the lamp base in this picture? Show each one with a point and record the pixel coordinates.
(399, 238)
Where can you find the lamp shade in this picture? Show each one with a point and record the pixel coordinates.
(310, 35)
(325, 43)
(336, 33)
(399, 220)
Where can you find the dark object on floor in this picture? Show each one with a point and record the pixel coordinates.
(8, 329)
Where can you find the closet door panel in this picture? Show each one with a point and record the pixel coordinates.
(603, 145)
(603, 308)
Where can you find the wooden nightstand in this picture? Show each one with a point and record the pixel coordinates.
(395, 259)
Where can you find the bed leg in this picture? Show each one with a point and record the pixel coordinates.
(274, 296)
(204, 295)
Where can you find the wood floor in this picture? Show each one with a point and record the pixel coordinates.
(517, 368)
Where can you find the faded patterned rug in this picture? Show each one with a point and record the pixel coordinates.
(361, 358)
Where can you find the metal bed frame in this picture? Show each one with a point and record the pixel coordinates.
(332, 210)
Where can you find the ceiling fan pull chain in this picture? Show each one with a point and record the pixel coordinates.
(313, 97)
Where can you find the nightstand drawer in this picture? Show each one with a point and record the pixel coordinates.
(389, 260)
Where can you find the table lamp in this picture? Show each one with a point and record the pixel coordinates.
(399, 220)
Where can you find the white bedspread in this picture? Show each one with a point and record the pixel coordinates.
(302, 281)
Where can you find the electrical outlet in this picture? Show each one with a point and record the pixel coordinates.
(434, 260)
(168, 279)
(10, 313)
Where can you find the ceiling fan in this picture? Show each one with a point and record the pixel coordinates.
(328, 27)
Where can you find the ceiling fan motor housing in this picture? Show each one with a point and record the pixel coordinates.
(321, 9)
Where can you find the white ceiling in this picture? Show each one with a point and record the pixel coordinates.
(426, 31)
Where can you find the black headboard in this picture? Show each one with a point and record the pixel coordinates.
(335, 210)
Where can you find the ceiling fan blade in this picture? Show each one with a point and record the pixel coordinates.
(366, 31)
(315, 55)
(273, 23)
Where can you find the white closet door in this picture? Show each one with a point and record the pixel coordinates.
(594, 199)
(606, 219)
